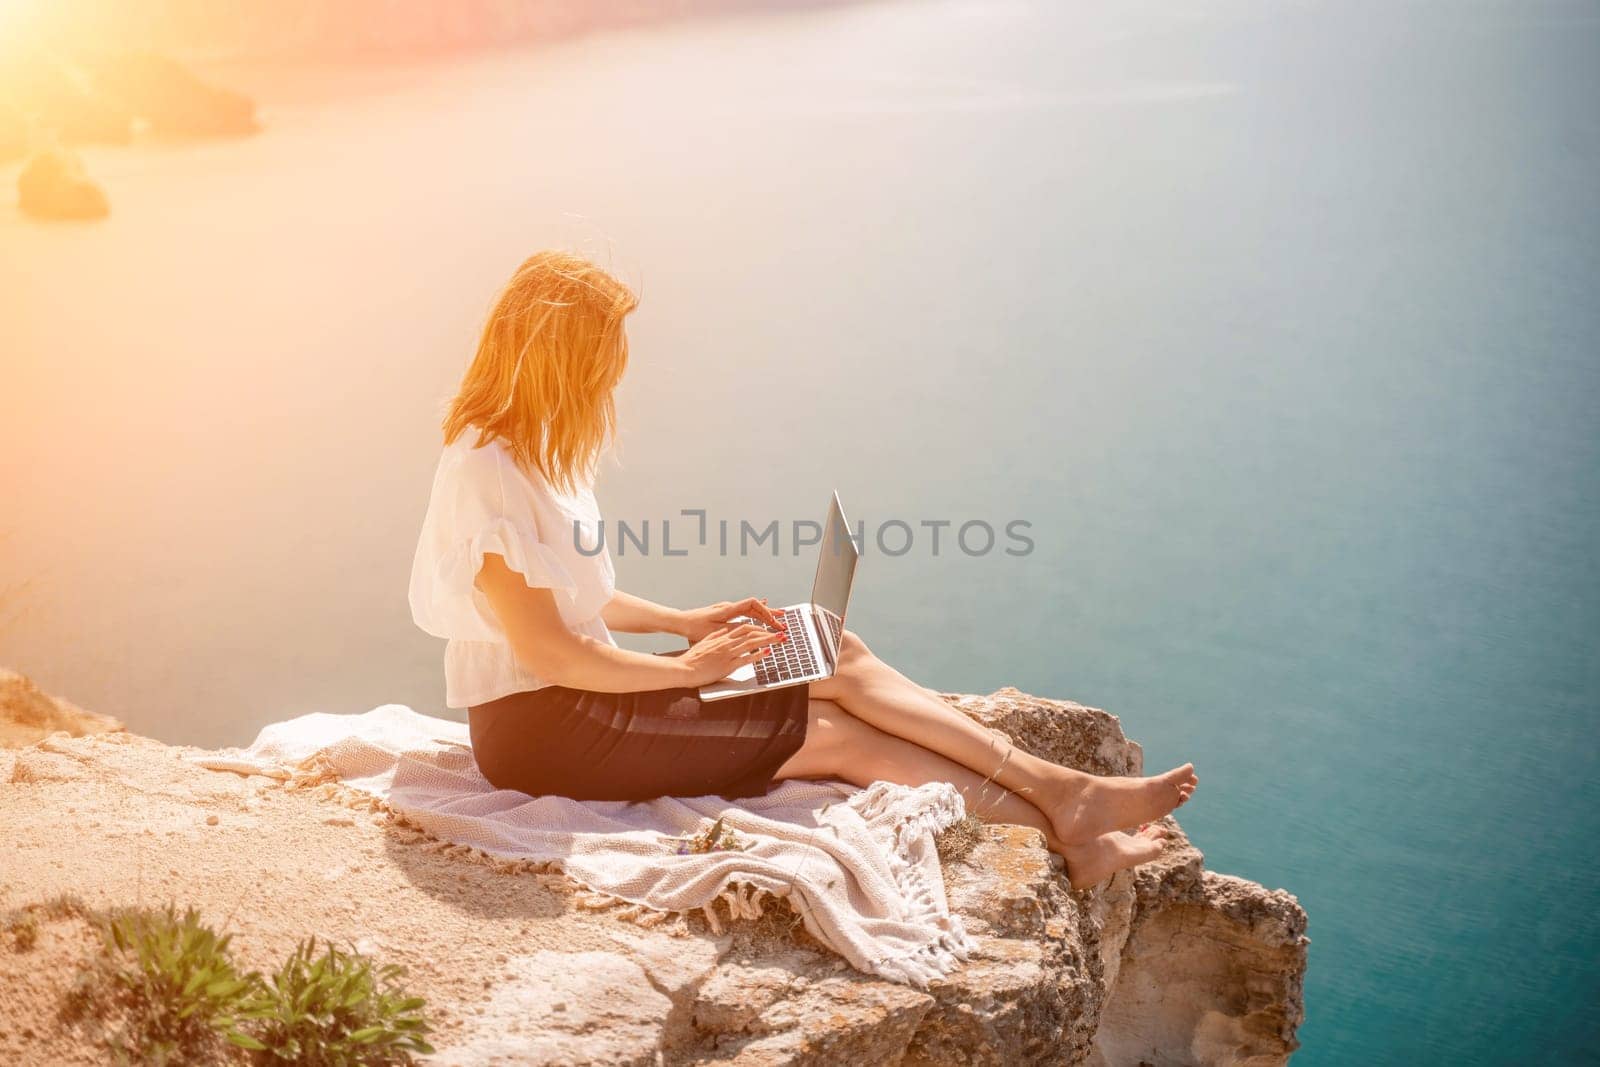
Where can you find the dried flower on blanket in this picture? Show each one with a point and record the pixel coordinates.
(715, 838)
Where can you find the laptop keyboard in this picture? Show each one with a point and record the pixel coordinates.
(835, 626)
(789, 660)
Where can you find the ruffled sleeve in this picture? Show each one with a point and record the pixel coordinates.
(478, 507)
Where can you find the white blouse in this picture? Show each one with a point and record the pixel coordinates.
(482, 501)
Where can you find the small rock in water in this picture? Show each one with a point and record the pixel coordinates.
(52, 185)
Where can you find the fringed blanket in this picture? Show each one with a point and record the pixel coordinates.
(859, 866)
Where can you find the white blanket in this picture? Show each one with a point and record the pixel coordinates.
(858, 865)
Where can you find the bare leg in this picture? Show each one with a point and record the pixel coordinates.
(1079, 806)
(840, 745)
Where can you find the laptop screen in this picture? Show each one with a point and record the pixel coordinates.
(835, 569)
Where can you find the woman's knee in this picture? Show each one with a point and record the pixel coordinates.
(832, 730)
(856, 661)
(852, 647)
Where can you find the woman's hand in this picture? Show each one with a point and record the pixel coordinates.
(697, 623)
(726, 649)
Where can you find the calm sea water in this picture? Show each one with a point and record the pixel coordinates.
(1277, 323)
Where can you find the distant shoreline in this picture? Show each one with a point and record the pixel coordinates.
(311, 32)
(206, 83)
(251, 70)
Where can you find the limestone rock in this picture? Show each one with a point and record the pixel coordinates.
(1212, 972)
(1059, 976)
(1059, 730)
(570, 1008)
(1166, 964)
(28, 714)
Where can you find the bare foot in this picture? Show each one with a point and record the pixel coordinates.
(1094, 861)
(1091, 805)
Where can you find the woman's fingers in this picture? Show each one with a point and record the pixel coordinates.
(760, 639)
(735, 639)
(743, 644)
(728, 630)
(751, 607)
(756, 607)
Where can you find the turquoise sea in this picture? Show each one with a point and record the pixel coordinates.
(1276, 322)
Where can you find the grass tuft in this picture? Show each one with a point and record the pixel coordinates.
(164, 990)
(956, 841)
(23, 927)
(64, 906)
(337, 1009)
(169, 984)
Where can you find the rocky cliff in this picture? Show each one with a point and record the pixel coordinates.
(1167, 964)
(29, 714)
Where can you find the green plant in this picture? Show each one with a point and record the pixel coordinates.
(169, 981)
(338, 1010)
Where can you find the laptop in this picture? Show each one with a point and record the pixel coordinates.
(814, 628)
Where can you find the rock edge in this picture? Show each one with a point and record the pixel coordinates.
(1167, 964)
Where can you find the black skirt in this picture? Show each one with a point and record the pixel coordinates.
(637, 746)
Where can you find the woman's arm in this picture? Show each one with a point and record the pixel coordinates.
(540, 639)
(629, 614)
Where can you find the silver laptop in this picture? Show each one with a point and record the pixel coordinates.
(814, 628)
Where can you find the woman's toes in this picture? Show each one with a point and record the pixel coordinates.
(1092, 863)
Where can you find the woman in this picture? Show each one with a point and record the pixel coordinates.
(555, 707)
